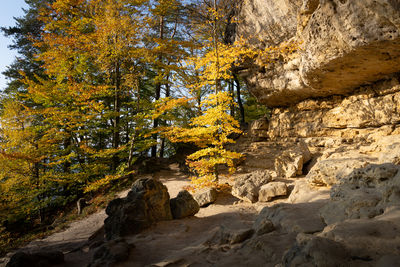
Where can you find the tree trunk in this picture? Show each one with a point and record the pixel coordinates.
(231, 91)
(156, 122)
(239, 100)
(67, 164)
(36, 181)
(167, 94)
(117, 107)
(216, 49)
(158, 90)
(135, 130)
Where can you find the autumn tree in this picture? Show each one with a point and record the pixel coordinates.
(28, 185)
(100, 58)
(23, 143)
(169, 49)
(90, 53)
(28, 29)
(212, 128)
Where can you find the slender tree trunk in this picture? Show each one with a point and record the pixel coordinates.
(131, 150)
(135, 130)
(127, 132)
(167, 94)
(216, 49)
(117, 108)
(67, 145)
(239, 100)
(36, 181)
(78, 154)
(158, 90)
(162, 148)
(231, 91)
(156, 122)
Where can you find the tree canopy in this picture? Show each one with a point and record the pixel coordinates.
(99, 84)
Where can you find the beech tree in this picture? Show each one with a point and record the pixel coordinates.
(211, 129)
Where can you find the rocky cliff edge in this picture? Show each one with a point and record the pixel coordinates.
(342, 45)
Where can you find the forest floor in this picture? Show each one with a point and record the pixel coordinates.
(166, 242)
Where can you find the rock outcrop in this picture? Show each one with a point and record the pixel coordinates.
(206, 196)
(226, 236)
(332, 145)
(343, 208)
(342, 45)
(291, 161)
(273, 189)
(259, 129)
(146, 203)
(372, 111)
(247, 186)
(184, 205)
(295, 218)
(365, 193)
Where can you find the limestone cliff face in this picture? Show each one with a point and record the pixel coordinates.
(344, 45)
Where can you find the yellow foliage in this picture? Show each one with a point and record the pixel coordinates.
(210, 131)
(168, 104)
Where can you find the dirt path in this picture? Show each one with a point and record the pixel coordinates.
(184, 242)
(167, 241)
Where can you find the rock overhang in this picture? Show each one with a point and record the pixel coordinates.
(343, 45)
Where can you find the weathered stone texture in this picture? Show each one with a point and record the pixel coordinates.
(373, 106)
(290, 162)
(259, 128)
(247, 186)
(365, 193)
(110, 253)
(206, 196)
(184, 205)
(273, 189)
(268, 23)
(146, 203)
(317, 251)
(344, 44)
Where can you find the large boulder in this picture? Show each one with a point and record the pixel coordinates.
(206, 196)
(305, 192)
(273, 189)
(146, 203)
(184, 205)
(344, 44)
(330, 171)
(247, 186)
(337, 164)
